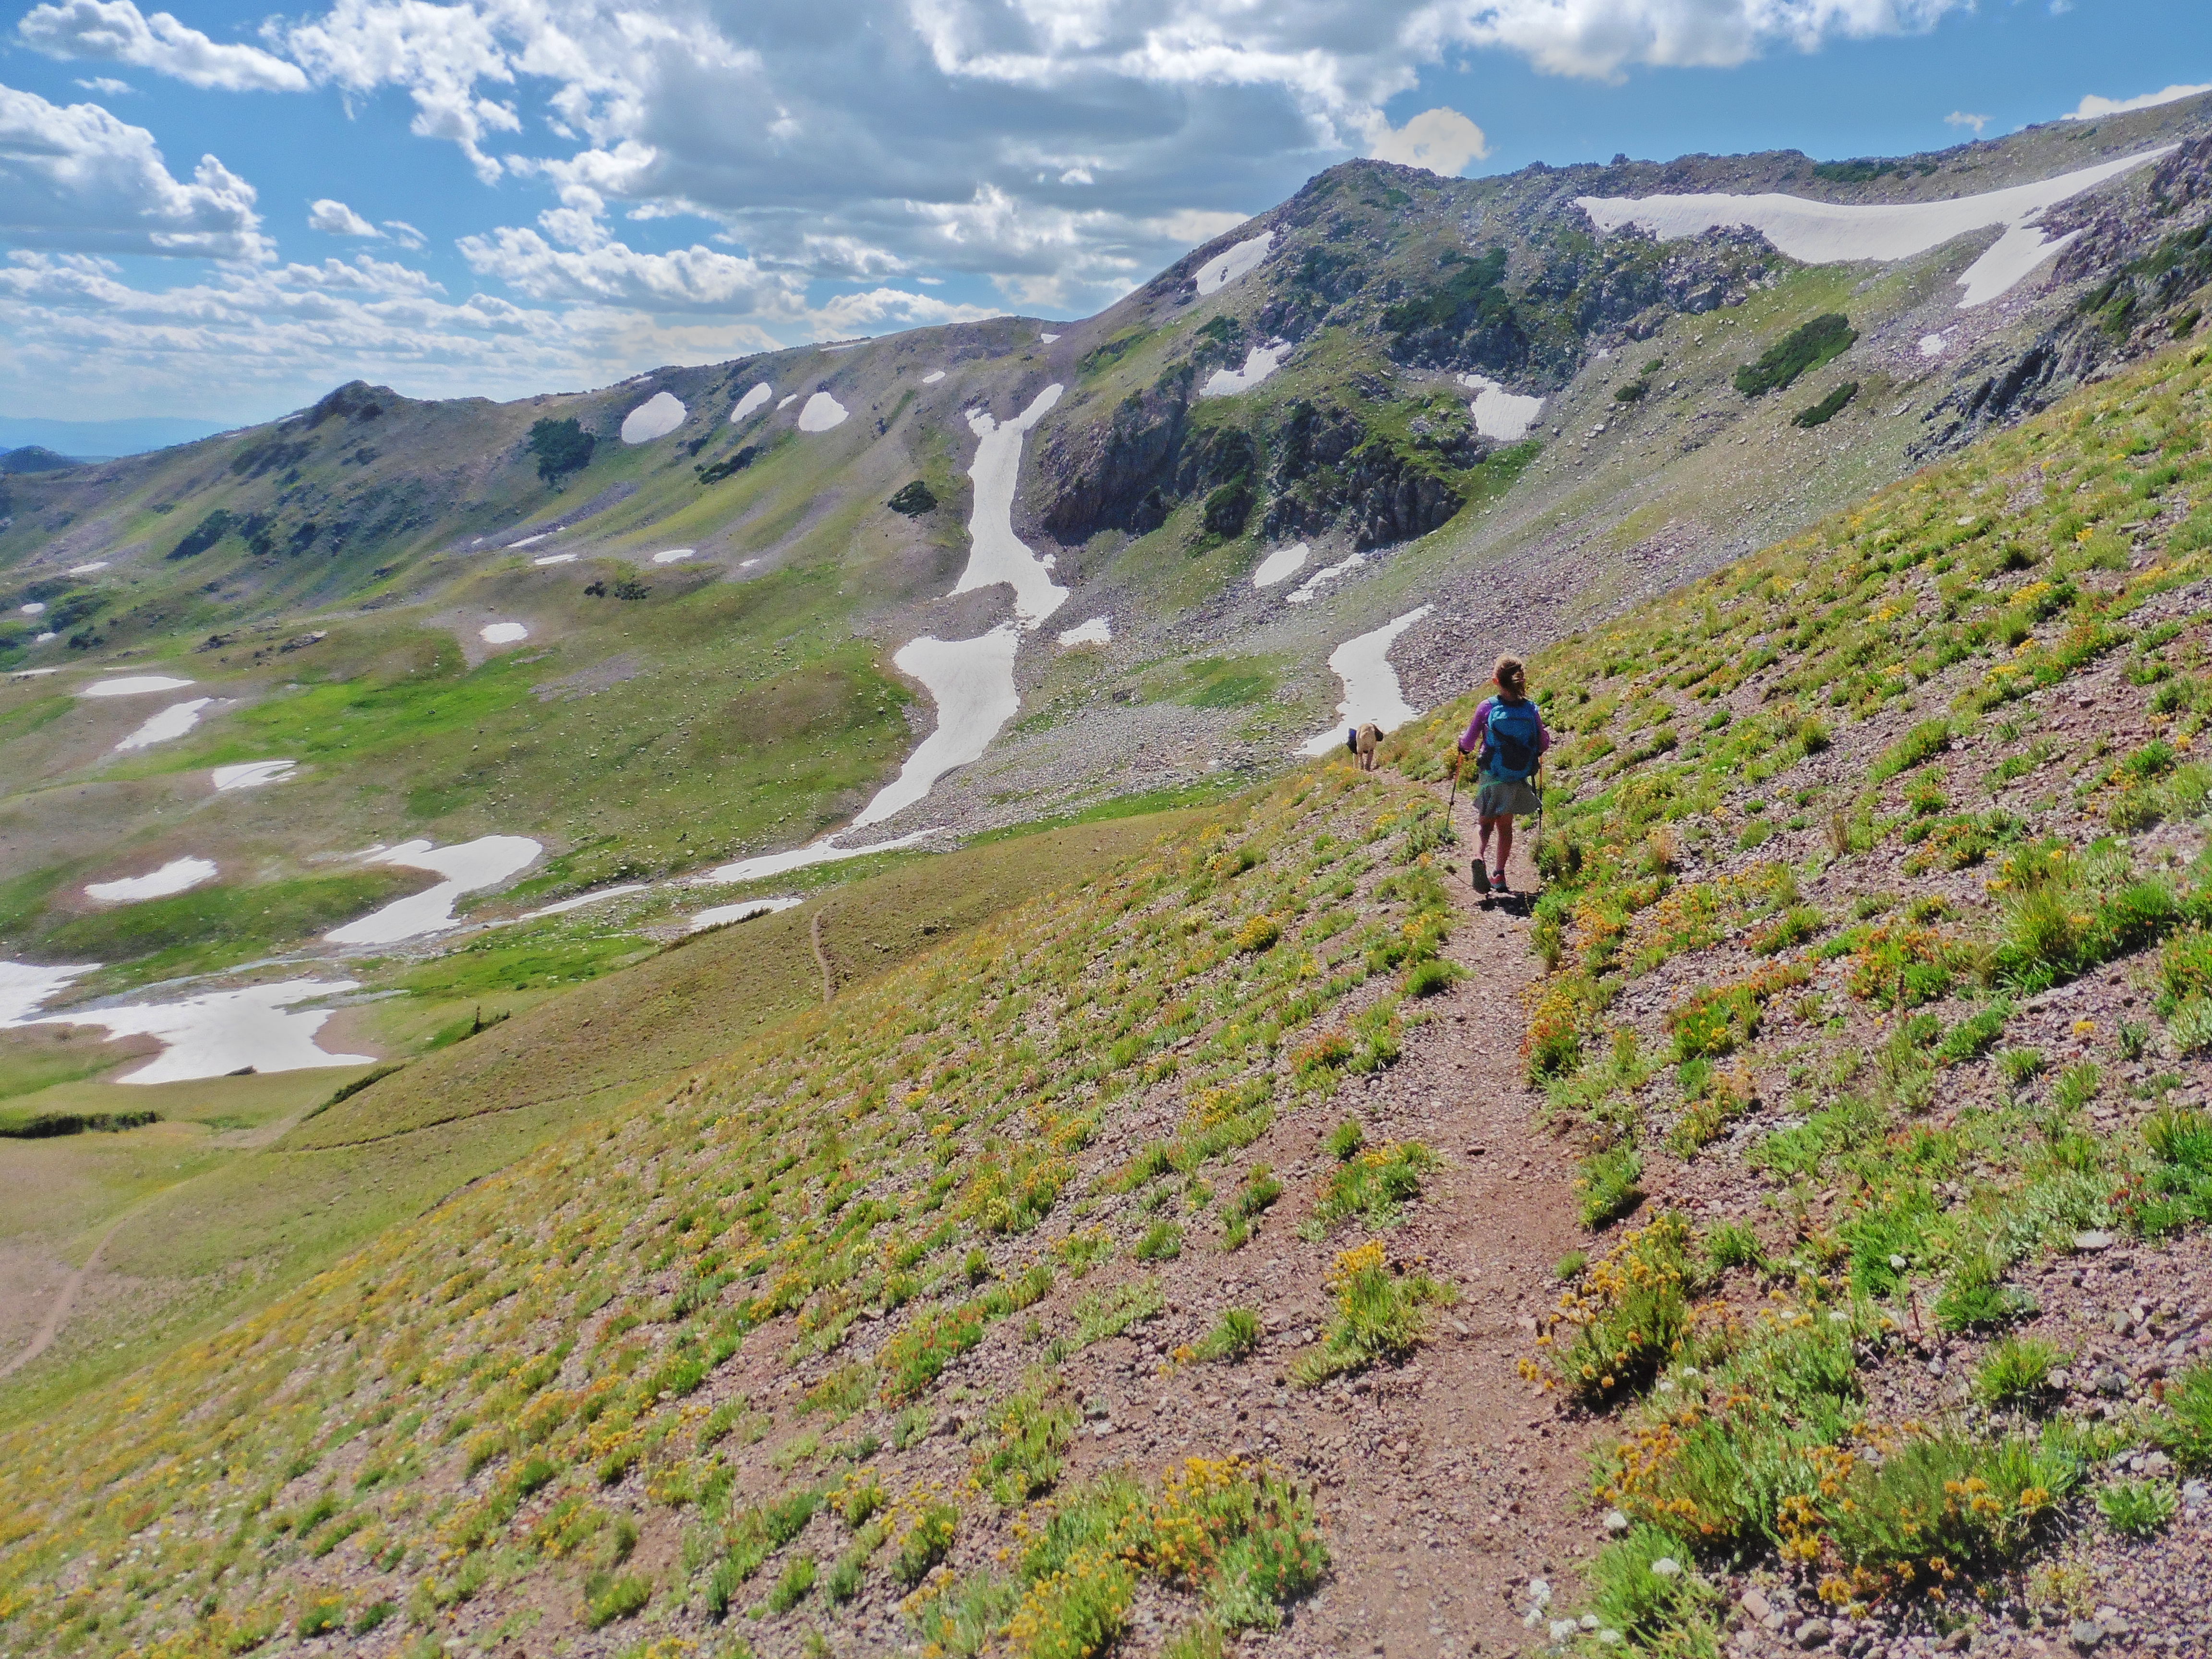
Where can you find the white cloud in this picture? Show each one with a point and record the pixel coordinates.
(406, 235)
(1441, 140)
(1959, 118)
(337, 219)
(1595, 38)
(107, 86)
(75, 179)
(2093, 107)
(117, 32)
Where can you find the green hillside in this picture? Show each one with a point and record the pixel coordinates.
(1866, 989)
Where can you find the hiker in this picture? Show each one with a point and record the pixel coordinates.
(1511, 735)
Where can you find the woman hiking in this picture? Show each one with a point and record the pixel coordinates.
(1510, 734)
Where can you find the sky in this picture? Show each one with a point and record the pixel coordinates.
(219, 213)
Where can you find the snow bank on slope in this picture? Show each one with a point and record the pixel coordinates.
(1099, 630)
(753, 399)
(744, 911)
(132, 685)
(933, 376)
(1499, 414)
(251, 775)
(1259, 363)
(175, 877)
(502, 633)
(1281, 565)
(1370, 684)
(564, 906)
(822, 412)
(1224, 269)
(172, 723)
(1327, 574)
(468, 865)
(972, 683)
(995, 554)
(25, 985)
(825, 851)
(1830, 232)
(656, 417)
(220, 1032)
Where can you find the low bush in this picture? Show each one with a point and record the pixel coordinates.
(2183, 1428)
(1374, 1186)
(1626, 1319)
(1644, 1587)
(1606, 1188)
(2015, 1372)
(2138, 1509)
(927, 1541)
(1235, 1335)
(1380, 1315)
(1946, 1503)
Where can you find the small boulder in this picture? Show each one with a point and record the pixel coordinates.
(1814, 1633)
(2086, 1635)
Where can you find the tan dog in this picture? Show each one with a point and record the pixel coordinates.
(1370, 735)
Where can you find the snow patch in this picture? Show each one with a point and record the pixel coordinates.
(788, 399)
(673, 554)
(502, 633)
(933, 376)
(34, 609)
(1499, 414)
(760, 393)
(530, 541)
(744, 911)
(133, 685)
(1224, 269)
(1831, 232)
(220, 1032)
(1281, 565)
(1047, 338)
(1370, 684)
(87, 569)
(172, 723)
(467, 866)
(656, 417)
(825, 851)
(1327, 574)
(972, 683)
(995, 554)
(1931, 345)
(1099, 630)
(564, 906)
(177, 876)
(1259, 363)
(822, 412)
(25, 985)
(556, 558)
(251, 775)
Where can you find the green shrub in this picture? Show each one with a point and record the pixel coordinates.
(1162, 1242)
(2138, 1509)
(1948, 1503)
(1346, 1139)
(1376, 1186)
(1427, 978)
(1031, 1428)
(1110, 1311)
(1626, 1320)
(1800, 351)
(322, 1614)
(1975, 1036)
(1644, 1585)
(1973, 1299)
(1827, 409)
(1607, 1187)
(371, 1617)
(794, 1586)
(1916, 748)
(1733, 1244)
(1570, 1266)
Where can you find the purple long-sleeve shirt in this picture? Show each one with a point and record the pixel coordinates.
(1471, 739)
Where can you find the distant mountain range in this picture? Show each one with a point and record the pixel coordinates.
(102, 438)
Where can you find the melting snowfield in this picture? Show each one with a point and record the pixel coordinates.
(743, 912)
(674, 554)
(87, 569)
(1499, 414)
(1830, 232)
(580, 901)
(220, 1032)
(822, 412)
(1281, 565)
(972, 683)
(1224, 269)
(132, 686)
(995, 554)
(1370, 684)
(753, 399)
(1099, 630)
(177, 876)
(825, 851)
(1259, 363)
(467, 866)
(251, 775)
(25, 985)
(656, 417)
(933, 376)
(172, 723)
(556, 558)
(502, 633)
(1327, 574)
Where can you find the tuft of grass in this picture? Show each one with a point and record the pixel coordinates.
(1733, 1244)
(1346, 1139)
(1570, 1265)
(1627, 1318)
(2015, 1372)
(1235, 1335)
(2183, 1428)
(1112, 1310)
(1645, 1589)
(1607, 1187)
(1380, 1315)
(608, 1597)
(1374, 1186)
(1162, 1242)
(1031, 1430)
(2138, 1509)
(926, 1541)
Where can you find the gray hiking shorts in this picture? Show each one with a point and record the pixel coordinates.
(1499, 798)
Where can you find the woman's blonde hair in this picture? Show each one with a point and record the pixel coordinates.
(1512, 679)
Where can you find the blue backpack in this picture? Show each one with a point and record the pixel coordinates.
(1510, 737)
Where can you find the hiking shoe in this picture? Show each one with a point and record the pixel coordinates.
(1480, 877)
(1499, 882)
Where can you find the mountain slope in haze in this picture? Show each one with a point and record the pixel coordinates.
(1166, 1265)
